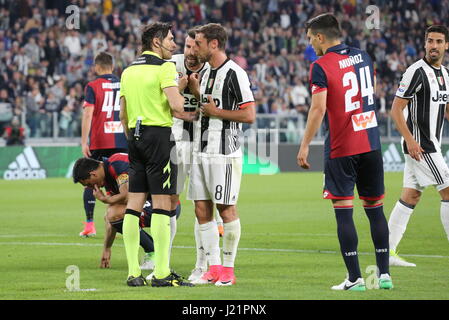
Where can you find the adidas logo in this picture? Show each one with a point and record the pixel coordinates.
(25, 167)
(392, 159)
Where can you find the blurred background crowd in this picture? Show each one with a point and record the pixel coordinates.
(44, 66)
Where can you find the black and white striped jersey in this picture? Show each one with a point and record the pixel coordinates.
(183, 130)
(427, 88)
(230, 89)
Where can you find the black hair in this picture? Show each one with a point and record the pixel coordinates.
(154, 30)
(326, 24)
(214, 31)
(83, 167)
(439, 29)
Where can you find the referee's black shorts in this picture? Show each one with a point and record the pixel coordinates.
(152, 169)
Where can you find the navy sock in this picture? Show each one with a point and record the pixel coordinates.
(89, 204)
(347, 236)
(379, 234)
(146, 241)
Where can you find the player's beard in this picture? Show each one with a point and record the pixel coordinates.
(434, 59)
(192, 61)
(205, 58)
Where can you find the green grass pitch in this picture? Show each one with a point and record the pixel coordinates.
(288, 249)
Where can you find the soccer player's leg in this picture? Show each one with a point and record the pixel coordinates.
(414, 175)
(443, 187)
(161, 175)
(339, 182)
(226, 201)
(137, 196)
(207, 232)
(89, 207)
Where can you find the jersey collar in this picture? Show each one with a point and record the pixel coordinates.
(151, 53)
(341, 48)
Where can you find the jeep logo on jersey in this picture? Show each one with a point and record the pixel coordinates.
(190, 100)
(204, 100)
(363, 121)
(441, 96)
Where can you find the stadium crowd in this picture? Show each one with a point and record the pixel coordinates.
(44, 66)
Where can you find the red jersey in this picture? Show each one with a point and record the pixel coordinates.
(116, 171)
(347, 74)
(103, 94)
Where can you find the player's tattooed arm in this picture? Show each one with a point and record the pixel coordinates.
(109, 237)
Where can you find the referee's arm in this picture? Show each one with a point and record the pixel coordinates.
(124, 116)
(175, 99)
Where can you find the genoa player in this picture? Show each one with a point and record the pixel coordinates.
(342, 85)
(112, 174)
(101, 131)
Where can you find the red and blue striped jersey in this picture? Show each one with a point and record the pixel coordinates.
(116, 172)
(347, 74)
(103, 94)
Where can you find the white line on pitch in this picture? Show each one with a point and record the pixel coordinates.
(78, 244)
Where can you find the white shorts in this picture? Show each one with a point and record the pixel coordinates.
(184, 151)
(432, 170)
(216, 178)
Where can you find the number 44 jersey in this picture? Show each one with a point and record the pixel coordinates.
(103, 94)
(347, 76)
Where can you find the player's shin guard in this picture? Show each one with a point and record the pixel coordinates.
(89, 204)
(347, 236)
(211, 242)
(131, 238)
(231, 238)
(398, 222)
(160, 229)
(379, 234)
(444, 213)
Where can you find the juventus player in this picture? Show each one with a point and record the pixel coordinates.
(418, 111)
(182, 130)
(226, 102)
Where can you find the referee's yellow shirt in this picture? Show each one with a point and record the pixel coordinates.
(142, 85)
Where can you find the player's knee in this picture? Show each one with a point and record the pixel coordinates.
(228, 213)
(445, 194)
(411, 197)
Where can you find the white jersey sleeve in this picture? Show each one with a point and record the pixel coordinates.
(411, 82)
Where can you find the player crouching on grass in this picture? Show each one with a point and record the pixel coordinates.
(112, 174)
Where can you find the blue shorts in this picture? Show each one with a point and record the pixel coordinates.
(365, 170)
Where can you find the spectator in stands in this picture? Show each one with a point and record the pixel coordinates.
(14, 133)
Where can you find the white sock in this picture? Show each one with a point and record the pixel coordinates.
(211, 242)
(398, 223)
(173, 227)
(218, 217)
(444, 214)
(231, 238)
(201, 261)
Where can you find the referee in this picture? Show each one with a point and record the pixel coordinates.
(149, 94)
